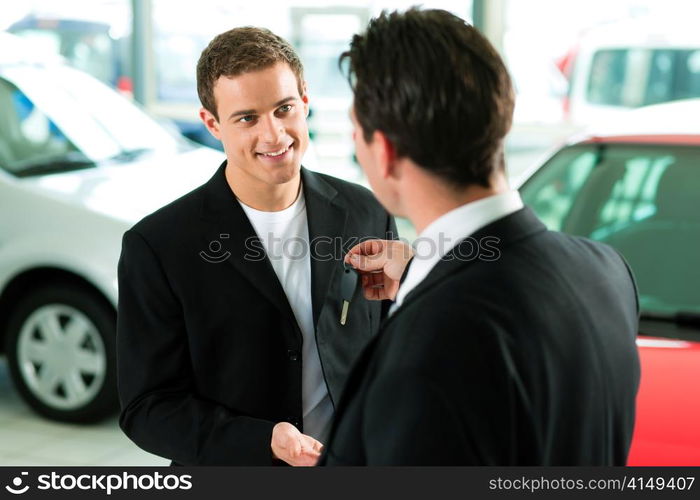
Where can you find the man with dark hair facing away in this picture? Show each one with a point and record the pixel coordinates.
(508, 344)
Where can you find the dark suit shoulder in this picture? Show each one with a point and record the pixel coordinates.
(586, 245)
(518, 287)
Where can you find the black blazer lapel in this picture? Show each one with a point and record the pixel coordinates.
(506, 231)
(327, 219)
(238, 245)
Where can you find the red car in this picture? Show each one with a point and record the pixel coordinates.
(636, 187)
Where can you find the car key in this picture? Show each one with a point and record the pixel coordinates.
(348, 283)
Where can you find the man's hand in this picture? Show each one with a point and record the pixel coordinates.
(381, 264)
(293, 447)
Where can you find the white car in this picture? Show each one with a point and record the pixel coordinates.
(626, 65)
(79, 164)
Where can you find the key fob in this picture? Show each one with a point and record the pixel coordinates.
(348, 284)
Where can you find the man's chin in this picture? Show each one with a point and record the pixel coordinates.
(285, 174)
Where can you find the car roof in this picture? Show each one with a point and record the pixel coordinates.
(649, 32)
(56, 22)
(15, 50)
(675, 122)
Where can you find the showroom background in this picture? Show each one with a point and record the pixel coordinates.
(147, 52)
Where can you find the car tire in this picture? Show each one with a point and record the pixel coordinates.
(61, 351)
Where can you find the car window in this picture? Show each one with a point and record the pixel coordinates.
(640, 77)
(688, 84)
(606, 80)
(28, 137)
(642, 200)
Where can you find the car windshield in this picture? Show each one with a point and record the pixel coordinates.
(73, 122)
(89, 49)
(642, 200)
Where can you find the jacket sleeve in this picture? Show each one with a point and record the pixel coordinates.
(161, 410)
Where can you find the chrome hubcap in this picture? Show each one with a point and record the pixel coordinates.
(61, 356)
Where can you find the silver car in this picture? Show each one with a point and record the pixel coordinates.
(79, 164)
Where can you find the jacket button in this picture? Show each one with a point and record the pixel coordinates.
(293, 355)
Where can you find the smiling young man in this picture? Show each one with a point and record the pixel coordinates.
(237, 358)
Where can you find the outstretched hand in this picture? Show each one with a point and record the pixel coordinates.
(381, 264)
(293, 447)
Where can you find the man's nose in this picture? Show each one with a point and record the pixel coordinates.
(272, 130)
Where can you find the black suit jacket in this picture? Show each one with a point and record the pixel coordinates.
(209, 351)
(528, 359)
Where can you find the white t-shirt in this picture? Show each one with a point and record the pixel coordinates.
(285, 237)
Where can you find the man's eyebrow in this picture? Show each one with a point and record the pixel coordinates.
(245, 112)
(284, 101)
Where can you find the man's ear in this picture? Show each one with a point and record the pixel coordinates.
(210, 122)
(384, 154)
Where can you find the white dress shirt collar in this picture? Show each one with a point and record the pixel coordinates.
(445, 232)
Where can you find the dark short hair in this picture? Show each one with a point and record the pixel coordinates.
(239, 51)
(436, 88)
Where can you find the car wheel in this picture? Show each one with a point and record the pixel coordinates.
(60, 348)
